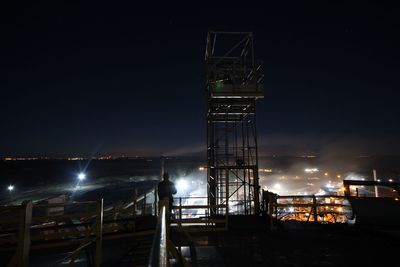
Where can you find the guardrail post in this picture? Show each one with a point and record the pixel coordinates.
(144, 205)
(256, 192)
(155, 201)
(99, 231)
(314, 207)
(134, 211)
(180, 212)
(347, 190)
(227, 201)
(24, 239)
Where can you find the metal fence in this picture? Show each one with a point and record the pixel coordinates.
(82, 224)
(191, 213)
(312, 208)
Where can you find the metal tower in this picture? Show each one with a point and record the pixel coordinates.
(234, 83)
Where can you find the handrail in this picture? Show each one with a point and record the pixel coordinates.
(309, 205)
(159, 249)
(309, 196)
(71, 257)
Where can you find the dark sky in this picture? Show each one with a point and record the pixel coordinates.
(81, 79)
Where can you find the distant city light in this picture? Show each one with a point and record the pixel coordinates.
(201, 168)
(10, 188)
(379, 180)
(81, 176)
(310, 170)
(390, 180)
(266, 170)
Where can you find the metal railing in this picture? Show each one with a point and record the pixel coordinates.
(193, 215)
(85, 225)
(162, 246)
(17, 220)
(315, 208)
(159, 250)
(37, 226)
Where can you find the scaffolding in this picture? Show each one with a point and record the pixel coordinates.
(234, 83)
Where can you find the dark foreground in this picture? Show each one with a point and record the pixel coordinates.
(298, 244)
(250, 242)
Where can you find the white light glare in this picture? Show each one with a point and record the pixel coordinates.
(182, 184)
(81, 176)
(311, 170)
(277, 186)
(329, 185)
(390, 180)
(10, 188)
(291, 209)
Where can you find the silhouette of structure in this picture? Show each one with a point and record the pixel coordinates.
(234, 83)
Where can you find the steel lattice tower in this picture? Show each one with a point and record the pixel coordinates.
(234, 83)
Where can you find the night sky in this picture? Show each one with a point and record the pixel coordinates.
(88, 79)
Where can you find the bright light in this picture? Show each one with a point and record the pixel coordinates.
(354, 177)
(81, 176)
(291, 209)
(310, 170)
(182, 184)
(379, 180)
(390, 180)
(201, 168)
(338, 176)
(326, 174)
(10, 188)
(329, 185)
(277, 186)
